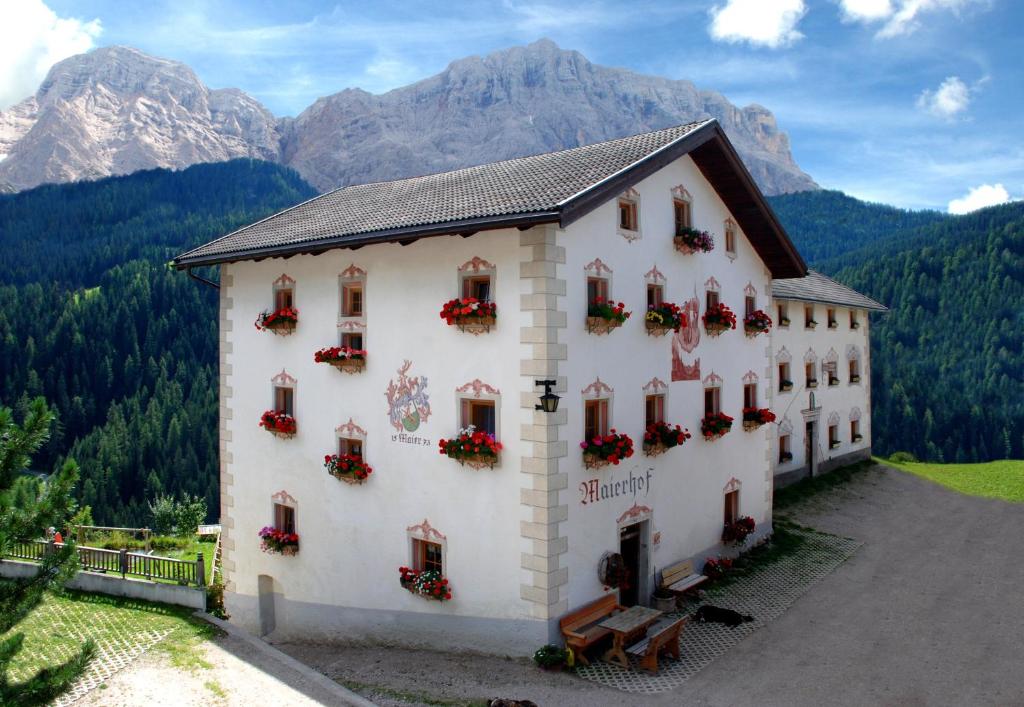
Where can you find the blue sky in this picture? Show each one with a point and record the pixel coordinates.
(916, 103)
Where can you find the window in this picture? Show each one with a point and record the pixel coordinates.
(809, 316)
(597, 287)
(854, 370)
(783, 314)
(785, 382)
(855, 430)
(831, 374)
(730, 238)
(627, 215)
(284, 297)
(712, 401)
(481, 414)
(427, 556)
(750, 395)
(809, 376)
(352, 300)
(352, 339)
(284, 518)
(712, 299)
(682, 213)
(478, 286)
(854, 322)
(832, 323)
(732, 507)
(347, 446)
(655, 293)
(833, 436)
(749, 305)
(784, 454)
(654, 409)
(595, 422)
(284, 400)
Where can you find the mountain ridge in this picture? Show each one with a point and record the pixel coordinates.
(116, 109)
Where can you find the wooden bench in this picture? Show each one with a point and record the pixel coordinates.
(680, 577)
(662, 637)
(580, 627)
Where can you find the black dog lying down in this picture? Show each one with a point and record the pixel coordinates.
(716, 614)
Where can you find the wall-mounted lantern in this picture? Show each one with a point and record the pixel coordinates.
(548, 401)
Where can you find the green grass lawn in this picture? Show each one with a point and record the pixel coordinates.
(1002, 479)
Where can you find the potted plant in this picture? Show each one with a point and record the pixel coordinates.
(783, 321)
(715, 425)
(833, 380)
(785, 385)
(278, 541)
(689, 240)
(344, 358)
(472, 447)
(755, 417)
(278, 423)
(552, 657)
(855, 378)
(757, 322)
(855, 325)
(428, 584)
(858, 437)
(812, 382)
(810, 324)
(470, 314)
(737, 531)
(834, 444)
(663, 600)
(663, 318)
(609, 449)
(660, 437)
(785, 457)
(718, 318)
(349, 468)
(715, 568)
(280, 321)
(604, 315)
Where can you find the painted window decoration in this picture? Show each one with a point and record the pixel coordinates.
(659, 436)
(348, 463)
(782, 311)
(753, 416)
(603, 314)
(476, 445)
(809, 321)
(279, 420)
(715, 423)
(661, 317)
(602, 444)
(281, 537)
(425, 574)
(730, 238)
(687, 239)
(735, 528)
(629, 215)
(282, 318)
(474, 310)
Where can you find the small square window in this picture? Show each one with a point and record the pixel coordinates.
(284, 400)
(284, 298)
(711, 299)
(595, 422)
(655, 293)
(597, 287)
(654, 409)
(427, 556)
(284, 518)
(732, 507)
(481, 414)
(352, 339)
(478, 286)
(350, 447)
(682, 214)
(750, 395)
(712, 401)
(627, 215)
(352, 300)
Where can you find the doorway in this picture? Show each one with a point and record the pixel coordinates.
(633, 548)
(809, 448)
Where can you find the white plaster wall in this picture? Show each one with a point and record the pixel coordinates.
(353, 538)
(798, 340)
(686, 494)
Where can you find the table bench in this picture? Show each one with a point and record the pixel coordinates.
(580, 627)
(662, 637)
(680, 578)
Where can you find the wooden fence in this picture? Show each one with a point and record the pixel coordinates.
(93, 559)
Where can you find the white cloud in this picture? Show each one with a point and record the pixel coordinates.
(950, 98)
(899, 16)
(979, 198)
(32, 39)
(865, 10)
(769, 23)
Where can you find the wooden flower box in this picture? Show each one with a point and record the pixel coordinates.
(751, 332)
(350, 365)
(855, 325)
(785, 387)
(350, 479)
(654, 450)
(812, 384)
(833, 325)
(783, 322)
(600, 325)
(749, 425)
(715, 329)
(478, 461)
(855, 379)
(592, 461)
(290, 550)
(858, 438)
(655, 329)
(832, 382)
(283, 327)
(474, 325)
(810, 325)
(834, 445)
(278, 433)
(682, 247)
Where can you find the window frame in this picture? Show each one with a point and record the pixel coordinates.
(287, 392)
(654, 408)
(750, 395)
(345, 339)
(658, 291)
(467, 413)
(833, 435)
(784, 448)
(682, 206)
(810, 374)
(731, 506)
(855, 430)
(785, 373)
(716, 399)
(831, 318)
(782, 311)
(285, 515)
(729, 238)
(809, 316)
(602, 406)
(601, 284)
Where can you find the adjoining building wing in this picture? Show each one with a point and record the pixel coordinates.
(815, 287)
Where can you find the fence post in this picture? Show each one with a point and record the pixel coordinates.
(124, 562)
(200, 570)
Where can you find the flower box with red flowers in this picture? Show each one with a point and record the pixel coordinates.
(757, 322)
(737, 531)
(661, 437)
(428, 584)
(349, 468)
(755, 417)
(718, 318)
(278, 541)
(278, 423)
(663, 318)
(473, 448)
(470, 314)
(715, 425)
(604, 315)
(716, 567)
(343, 358)
(689, 240)
(608, 449)
(280, 321)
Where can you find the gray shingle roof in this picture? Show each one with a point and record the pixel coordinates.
(815, 287)
(527, 185)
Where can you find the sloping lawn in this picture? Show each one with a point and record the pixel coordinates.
(1002, 479)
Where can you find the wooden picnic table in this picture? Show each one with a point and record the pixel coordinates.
(624, 626)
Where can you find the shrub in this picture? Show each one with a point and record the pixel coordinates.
(162, 509)
(163, 543)
(189, 512)
(215, 600)
(551, 656)
(902, 457)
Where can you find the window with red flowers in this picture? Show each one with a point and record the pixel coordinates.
(427, 556)
(711, 299)
(683, 214)
(655, 295)
(284, 297)
(732, 506)
(284, 518)
(352, 340)
(597, 290)
(595, 422)
(477, 286)
(654, 409)
(348, 446)
(712, 400)
(480, 414)
(750, 395)
(284, 399)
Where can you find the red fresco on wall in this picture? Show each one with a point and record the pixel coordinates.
(685, 341)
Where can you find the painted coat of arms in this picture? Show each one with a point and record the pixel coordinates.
(685, 341)
(408, 402)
